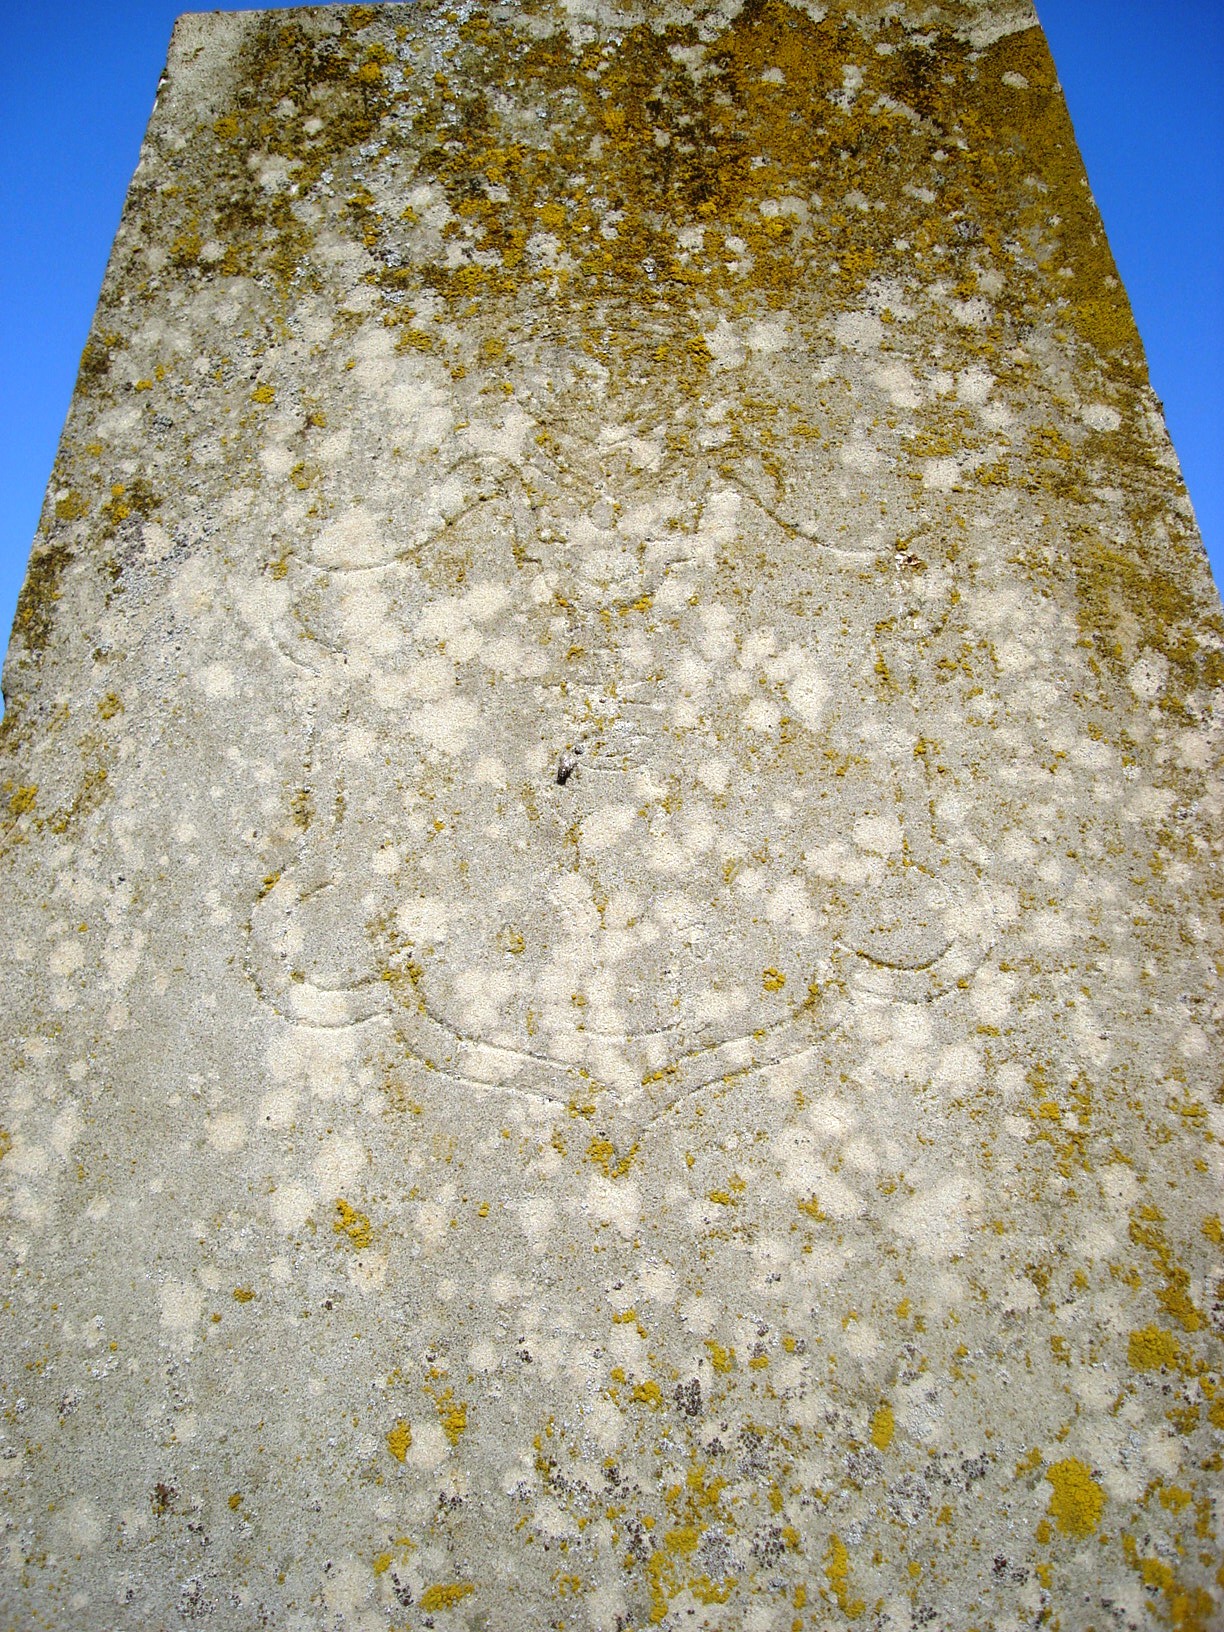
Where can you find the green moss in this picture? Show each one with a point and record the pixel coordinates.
(39, 593)
(630, 135)
(96, 357)
(326, 76)
(1145, 594)
(1034, 134)
(22, 799)
(185, 247)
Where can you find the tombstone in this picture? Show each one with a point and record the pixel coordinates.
(609, 853)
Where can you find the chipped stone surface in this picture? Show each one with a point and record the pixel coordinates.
(610, 807)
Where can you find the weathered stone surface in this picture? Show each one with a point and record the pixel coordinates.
(609, 854)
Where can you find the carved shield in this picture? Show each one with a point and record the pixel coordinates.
(651, 806)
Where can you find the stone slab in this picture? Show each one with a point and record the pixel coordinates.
(610, 793)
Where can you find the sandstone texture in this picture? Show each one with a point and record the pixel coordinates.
(609, 806)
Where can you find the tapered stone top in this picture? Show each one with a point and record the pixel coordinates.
(610, 809)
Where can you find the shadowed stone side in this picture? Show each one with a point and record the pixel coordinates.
(609, 808)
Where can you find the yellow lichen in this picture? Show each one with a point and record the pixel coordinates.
(602, 1153)
(722, 1359)
(883, 1427)
(452, 1414)
(185, 247)
(1185, 1608)
(1174, 1297)
(729, 1195)
(72, 507)
(1150, 1348)
(399, 1439)
(837, 1574)
(353, 1225)
(667, 1567)
(445, 1595)
(1076, 1500)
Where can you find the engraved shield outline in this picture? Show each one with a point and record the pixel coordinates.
(877, 953)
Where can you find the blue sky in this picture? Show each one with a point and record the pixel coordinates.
(1144, 80)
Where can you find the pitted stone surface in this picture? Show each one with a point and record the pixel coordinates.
(610, 825)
